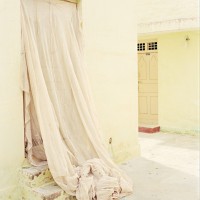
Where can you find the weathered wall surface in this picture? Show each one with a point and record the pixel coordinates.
(154, 11)
(11, 113)
(110, 45)
(178, 81)
(157, 16)
(110, 40)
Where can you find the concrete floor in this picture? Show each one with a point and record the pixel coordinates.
(168, 168)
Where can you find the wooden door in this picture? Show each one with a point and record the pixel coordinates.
(148, 88)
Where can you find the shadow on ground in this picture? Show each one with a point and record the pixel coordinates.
(153, 181)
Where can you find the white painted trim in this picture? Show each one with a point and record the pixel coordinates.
(169, 25)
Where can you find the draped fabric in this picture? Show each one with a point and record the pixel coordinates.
(60, 122)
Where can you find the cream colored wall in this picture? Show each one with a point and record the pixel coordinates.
(110, 45)
(110, 39)
(11, 118)
(178, 79)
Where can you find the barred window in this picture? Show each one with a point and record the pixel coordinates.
(141, 46)
(152, 46)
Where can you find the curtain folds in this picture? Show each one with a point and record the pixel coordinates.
(60, 122)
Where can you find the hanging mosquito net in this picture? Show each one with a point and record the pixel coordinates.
(60, 123)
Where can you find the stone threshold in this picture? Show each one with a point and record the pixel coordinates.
(149, 129)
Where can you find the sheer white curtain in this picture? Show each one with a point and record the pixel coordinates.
(60, 123)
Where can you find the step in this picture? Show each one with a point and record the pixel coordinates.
(149, 128)
(35, 176)
(37, 183)
(51, 192)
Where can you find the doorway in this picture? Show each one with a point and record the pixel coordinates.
(148, 83)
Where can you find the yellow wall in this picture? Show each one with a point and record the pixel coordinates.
(178, 69)
(110, 44)
(11, 118)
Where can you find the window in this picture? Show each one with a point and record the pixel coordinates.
(141, 46)
(152, 46)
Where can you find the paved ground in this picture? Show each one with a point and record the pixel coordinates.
(168, 168)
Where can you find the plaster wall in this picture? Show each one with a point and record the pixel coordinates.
(110, 46)
(172, 15)
(158, 10)
(111, 57)
(178, 81)
(11, 113)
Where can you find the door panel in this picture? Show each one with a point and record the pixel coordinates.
(147, 87)
(143, 69)
(143, 106)
(153, 105)
(153, 67)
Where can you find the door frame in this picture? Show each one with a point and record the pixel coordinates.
(147, 46)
